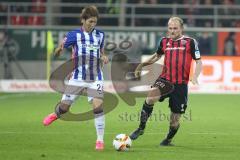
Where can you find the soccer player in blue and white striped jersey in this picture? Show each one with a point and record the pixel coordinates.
(87, 45)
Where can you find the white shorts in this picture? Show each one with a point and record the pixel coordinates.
(75, 88)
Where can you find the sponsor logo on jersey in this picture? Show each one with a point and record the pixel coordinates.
(175, 48)
(91, 46)
(183, 42)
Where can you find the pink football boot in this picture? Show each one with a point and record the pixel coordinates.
(49, 119)
(99, 145)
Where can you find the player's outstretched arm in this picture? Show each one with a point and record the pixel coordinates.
(154, 58)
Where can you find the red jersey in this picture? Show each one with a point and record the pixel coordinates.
(178, 57)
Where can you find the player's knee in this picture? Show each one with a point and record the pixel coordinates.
(151, 100)
(98, 110)
(174, 124)
(97, 106)
(97, 103)
(175, 120)
(153, 96)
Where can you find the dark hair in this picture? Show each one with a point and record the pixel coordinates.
(88, 12)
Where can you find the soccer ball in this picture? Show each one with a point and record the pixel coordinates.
(122, 142)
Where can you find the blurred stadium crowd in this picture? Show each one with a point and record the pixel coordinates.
(196, 13)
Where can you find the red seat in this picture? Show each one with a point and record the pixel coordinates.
(17, 20)
(35, 20)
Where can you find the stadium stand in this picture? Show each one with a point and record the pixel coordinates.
(197, 13)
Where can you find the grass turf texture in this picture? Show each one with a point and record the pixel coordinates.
(210, 130)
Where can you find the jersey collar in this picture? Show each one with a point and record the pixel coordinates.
(83, 30)
(179, 38)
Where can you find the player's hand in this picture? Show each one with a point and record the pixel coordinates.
(57, 52)
(194, 80)
(104, 59)
(138, 71)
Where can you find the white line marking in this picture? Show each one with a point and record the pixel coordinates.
(18, 95)
(12, 96)
(111, 133)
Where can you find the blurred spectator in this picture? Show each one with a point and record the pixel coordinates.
(237, 24)
(4, 55)
(3, 18)
(9, 49)
(208, 24)
(205, 43)
(192, 10)
(228, 10)
(38, 6)
(113, 6)
(145, 10)
(35, 20)
(83, 1)
(217, 2)
(17, 19)
(208, 10)
(230, 45)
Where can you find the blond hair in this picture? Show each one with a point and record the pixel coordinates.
(178, 19)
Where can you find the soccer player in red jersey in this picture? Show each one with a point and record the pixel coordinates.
(179, 51)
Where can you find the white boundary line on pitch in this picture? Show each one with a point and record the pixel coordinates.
(18, 95)
(109, 133)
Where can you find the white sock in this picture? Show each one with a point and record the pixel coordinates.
(100, 125)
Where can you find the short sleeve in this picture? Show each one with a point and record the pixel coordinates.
(102, 40)
(70, 39)
(160, 48)
(194, 49)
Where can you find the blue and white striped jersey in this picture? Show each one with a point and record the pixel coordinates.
(86, 50)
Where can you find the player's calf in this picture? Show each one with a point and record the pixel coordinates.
(145, 114)
(60, 109)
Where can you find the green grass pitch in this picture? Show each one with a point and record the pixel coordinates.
(210, 130)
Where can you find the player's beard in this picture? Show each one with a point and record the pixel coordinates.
(175, 36)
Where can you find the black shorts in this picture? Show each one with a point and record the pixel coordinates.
(177, 98)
